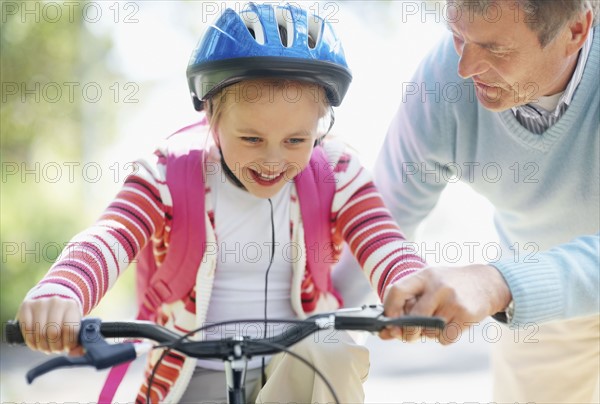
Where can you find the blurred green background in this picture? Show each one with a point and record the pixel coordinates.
(70, 90)
(41, 205)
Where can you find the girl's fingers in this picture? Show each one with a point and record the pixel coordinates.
(51, 328)
(71, 325)
(77, 351)
(25, 318)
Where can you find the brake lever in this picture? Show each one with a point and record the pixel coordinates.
(54, 363)
(98, 353)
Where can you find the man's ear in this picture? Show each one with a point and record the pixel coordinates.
(578, 31)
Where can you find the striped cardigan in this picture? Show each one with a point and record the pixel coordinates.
(142, 212)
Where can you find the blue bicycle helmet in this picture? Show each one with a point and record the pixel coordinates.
(268, 41)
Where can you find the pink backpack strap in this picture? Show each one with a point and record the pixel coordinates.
(112, 383)
(176, 275)
(317, 180)
(185, 180)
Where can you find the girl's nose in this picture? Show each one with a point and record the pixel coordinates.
(273, 160)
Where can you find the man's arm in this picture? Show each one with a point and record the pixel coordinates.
(560, 283)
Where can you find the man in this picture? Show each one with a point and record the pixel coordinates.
(517, 118)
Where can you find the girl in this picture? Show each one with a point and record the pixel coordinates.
(265, 79)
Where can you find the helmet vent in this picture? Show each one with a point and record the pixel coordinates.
(283, 36)
(311, 42)
(315, 30)
(255, 28)
(285, 24)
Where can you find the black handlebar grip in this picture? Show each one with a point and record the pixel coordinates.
(12, 333)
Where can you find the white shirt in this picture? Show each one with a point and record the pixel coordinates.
(244, 242)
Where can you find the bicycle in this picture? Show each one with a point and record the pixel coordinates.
(234, 352)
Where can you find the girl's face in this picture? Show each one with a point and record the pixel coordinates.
(266, 133)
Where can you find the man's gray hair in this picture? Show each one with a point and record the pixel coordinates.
(544, 17)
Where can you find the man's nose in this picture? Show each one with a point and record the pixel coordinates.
(472, 61)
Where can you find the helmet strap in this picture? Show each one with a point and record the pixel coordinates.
(230, 173)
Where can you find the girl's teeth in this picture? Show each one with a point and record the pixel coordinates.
(268, 177)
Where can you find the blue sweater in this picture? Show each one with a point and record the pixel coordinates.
(562, 282)
(545, 188)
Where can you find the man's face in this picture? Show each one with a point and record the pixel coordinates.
(504, 58)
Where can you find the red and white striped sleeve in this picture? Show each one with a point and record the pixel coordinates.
(362, 220)
(93, 260)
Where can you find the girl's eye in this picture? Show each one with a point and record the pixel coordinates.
(297, 140)
(250, 139)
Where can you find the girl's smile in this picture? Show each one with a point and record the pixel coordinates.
(266, 179)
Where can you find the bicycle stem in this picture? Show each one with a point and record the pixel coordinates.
(235, 376)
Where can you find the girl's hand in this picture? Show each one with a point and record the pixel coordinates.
(51, 324)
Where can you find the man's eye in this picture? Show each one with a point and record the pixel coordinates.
(499, 52)
(456, 38)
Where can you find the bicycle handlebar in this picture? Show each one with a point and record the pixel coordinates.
(100, 354)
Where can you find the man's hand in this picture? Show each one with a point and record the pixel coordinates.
(459, 295)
